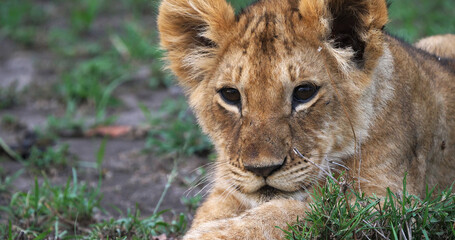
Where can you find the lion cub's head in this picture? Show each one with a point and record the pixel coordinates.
(278, 76)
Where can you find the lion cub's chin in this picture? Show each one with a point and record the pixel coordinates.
(268, 193)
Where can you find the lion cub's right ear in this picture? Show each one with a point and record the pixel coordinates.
(191, 31)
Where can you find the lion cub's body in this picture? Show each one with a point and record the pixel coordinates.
(379, 107)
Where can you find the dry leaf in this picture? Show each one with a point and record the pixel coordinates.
(109, 131)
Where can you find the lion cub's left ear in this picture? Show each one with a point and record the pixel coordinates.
(354, 24)
(191, 31)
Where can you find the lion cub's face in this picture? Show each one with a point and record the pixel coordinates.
(269, 94)
(265, 84)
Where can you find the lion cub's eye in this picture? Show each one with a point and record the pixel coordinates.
(230, 95)
(305, 92)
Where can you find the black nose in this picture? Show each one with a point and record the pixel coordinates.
(263, 171)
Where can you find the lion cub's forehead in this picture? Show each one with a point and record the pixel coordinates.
(241, 67)
(248, 71)
(265, 49)
(267, 29)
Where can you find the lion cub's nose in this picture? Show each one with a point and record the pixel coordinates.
(263, 171)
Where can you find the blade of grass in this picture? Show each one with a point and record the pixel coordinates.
(75, 185)
(10, 232)
(10, 152)
(37, 194)
(43, 235)
(403, 195)
(170, 179)
(99, 161)
(425, 234)
(395, 236)
(101, 107)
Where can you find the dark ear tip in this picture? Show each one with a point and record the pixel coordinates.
(344, 40)
(351, 21)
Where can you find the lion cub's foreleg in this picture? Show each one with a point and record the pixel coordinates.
(223, 217)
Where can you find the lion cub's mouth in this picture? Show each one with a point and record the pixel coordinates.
(269, 192)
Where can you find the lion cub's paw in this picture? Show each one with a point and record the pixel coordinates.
(234, 228)
(220, 229)
(257, 223)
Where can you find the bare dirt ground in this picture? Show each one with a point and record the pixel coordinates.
(130, 177)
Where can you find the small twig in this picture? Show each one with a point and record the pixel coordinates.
(402, 232)
(338, 164)
(409, 230)
(366, 236)
(369, 224)
(360, 164)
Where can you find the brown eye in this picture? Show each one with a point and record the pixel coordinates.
(305, 92)
(230, 95)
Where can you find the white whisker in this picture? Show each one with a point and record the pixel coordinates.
(338, 164)
(314, 164)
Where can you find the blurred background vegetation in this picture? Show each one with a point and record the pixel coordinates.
(85, 53)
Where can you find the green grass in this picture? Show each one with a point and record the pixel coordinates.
(92, 83)
(89, 70)
(88, 81)
(411, 19)
(52, 209)
(6, 181)
(138, 44)
(83, 14)
(192, 203)
(141, 7)
(67, 43)
(239, 4)
(67, 211)
(136, 227)
(135, 42)
(50, 158)
(66, 125)
(174, 130)
(19, 20)
(8, 97)
(339, 212)
(11, 122)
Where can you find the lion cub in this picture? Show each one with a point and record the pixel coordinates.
(313, 77)
(440, 45)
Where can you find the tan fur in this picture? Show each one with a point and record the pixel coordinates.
(440, 45)
(383, 108)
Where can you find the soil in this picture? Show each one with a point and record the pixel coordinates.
(130, 177)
